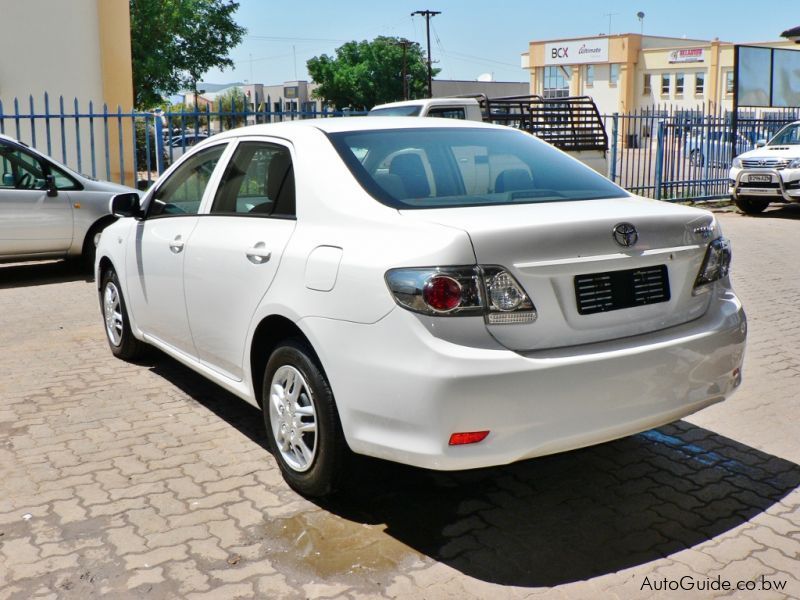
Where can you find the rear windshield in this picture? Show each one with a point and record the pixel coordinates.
(395, 111)
(440, 167)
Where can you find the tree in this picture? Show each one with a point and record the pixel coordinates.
(363, 74)
(231, 100)
(174, 42)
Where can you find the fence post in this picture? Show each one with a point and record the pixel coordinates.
(659, 159)
(612, 168)
(159, 122)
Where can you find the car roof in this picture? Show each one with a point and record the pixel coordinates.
(347, 124)
(430, 102)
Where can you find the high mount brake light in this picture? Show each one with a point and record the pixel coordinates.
(486, 290)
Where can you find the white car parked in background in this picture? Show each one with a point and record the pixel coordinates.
(445, 294)
(770, 173)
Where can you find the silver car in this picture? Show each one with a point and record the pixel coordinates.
(46, 209)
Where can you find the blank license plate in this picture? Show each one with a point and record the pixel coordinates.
(760, 178)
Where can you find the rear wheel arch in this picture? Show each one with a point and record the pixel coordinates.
(88, 246)
(268, 335)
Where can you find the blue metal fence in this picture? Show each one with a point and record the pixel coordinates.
(130, 147)
(673, 154)
(657, 152)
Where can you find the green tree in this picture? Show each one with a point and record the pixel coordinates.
(174, 42)
(235, 99)
(363, 74)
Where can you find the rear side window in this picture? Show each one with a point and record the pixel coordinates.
(447, 113)
(259, 180)
(440, 167)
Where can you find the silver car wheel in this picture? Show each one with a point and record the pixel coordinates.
(112, 311)
(293, 418)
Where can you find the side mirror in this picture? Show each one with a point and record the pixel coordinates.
(761, 143)
(50, 184)
(126, 205)
(8, 180)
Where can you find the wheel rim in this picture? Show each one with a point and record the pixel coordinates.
(112, 311)
(293, 418)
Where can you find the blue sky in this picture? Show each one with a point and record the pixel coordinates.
(474, 37)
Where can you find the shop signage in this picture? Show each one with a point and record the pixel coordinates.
(687, 55)
(576, 52)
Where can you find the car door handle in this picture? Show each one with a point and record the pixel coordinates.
(259, 254)
(176, 245)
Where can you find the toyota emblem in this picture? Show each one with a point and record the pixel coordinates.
(625, 234)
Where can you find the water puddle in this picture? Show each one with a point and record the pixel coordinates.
(329, 545)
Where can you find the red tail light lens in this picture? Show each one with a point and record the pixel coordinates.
(468, 437)
(442, 293)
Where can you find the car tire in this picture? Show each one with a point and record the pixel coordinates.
(120, 338)
(296, 394)
(751, 206)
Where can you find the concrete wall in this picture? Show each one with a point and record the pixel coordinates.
(443, 88)
(75, 49)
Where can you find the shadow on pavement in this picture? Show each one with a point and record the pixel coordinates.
(556, 519)
(779, 211)
(15, 275)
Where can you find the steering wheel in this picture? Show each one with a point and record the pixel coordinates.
(25, 181)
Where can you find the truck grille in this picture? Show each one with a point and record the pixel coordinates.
(614, 290)
(765, 163)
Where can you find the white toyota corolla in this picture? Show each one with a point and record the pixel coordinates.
(444, 294)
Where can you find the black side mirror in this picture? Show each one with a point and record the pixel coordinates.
(126, 205)
(50, 184)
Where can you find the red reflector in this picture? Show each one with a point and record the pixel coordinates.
(468, 437)
(442, 293)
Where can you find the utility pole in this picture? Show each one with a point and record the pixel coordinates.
(428, 14)
(405, 44)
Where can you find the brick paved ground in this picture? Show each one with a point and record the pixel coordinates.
(144, 481)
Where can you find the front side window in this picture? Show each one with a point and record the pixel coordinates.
(20, 170)
(259, 180)
(449, 167)
(183, 191)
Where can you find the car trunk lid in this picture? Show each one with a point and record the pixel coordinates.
(566, 258)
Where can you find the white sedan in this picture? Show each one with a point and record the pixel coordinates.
(444, 294)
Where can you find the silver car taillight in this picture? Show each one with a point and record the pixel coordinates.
(486, 290)
(716, 264)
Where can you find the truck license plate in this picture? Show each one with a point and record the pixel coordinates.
(760, 178)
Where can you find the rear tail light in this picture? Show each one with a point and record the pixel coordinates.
(716, 264)
(485, 290)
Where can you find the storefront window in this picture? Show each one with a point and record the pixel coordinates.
(589, 75)
(648, 86)
(613, 76)
(679, 78)
(556, 82)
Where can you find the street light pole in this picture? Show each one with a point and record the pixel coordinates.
(428, 14)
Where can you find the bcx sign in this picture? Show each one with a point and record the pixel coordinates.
(576, 52)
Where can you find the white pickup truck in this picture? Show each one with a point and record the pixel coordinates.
(570, 124)
(770, 173)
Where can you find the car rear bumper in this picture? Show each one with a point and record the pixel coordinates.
(401, 392)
